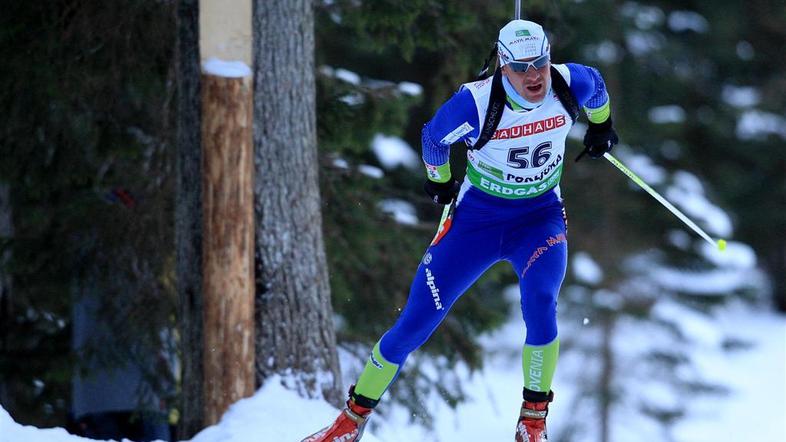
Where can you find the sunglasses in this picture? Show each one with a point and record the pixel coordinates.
(523, 66)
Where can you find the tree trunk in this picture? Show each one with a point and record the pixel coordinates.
(775, 260)
(607, 373)
(776, 263)
(228, 243)
(188, 217)
(611, 256)
(294, 316)
(6, 234)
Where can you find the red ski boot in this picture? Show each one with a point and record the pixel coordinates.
(349, 425)
(532, 419)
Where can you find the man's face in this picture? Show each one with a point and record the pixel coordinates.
(531, 84)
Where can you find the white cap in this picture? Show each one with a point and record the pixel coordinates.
(521, 39)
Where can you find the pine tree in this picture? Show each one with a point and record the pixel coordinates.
(372, 257)
(661, 76)
(85, 158)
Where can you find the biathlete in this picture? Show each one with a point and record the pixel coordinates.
(508, 207)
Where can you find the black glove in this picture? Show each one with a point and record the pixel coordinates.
(599, 139)
(442, 193)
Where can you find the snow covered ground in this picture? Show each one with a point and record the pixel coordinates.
(754, 410)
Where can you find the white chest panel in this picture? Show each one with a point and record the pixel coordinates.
(524, 158)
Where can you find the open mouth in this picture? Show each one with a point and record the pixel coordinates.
(535, 88)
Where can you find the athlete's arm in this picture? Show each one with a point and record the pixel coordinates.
(456, 120)
(588, 87)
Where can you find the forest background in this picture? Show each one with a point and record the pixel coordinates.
(88, 164)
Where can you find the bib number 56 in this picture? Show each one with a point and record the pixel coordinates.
(519, 157)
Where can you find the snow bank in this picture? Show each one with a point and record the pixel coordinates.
(10, 431)
(754, 376)
(272, 414)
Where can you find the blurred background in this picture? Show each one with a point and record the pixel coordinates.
(89, 309)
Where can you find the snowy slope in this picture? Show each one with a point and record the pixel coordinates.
(10, 431)
(754, 410)
(757, 378)
(272, 414)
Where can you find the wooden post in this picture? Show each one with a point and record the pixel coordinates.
(228, 205)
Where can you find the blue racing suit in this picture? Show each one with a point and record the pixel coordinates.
(509, 208)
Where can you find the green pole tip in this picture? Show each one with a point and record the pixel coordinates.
(721, 245)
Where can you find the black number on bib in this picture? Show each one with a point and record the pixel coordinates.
(541, 154)
(517, 157)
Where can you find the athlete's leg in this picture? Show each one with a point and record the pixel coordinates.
(540, 261)
(446, 271)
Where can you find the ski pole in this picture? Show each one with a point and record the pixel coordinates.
(720, 244)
